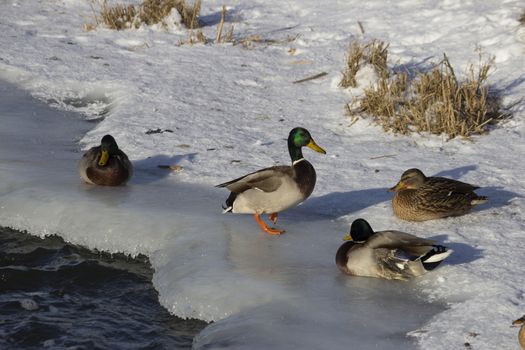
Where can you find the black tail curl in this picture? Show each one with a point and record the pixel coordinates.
(437, 249)
(229, 202)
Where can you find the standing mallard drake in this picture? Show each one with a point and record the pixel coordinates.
(521, 334)
(106, 164)
(387, 254)
(271, 190)
(420, 198)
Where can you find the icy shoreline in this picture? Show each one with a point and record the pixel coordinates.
(264, 292)
(49, 285)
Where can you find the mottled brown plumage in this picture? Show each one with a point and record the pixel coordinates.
(521, 333)
(420, 198)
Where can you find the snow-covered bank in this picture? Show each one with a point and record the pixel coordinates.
(229, 109)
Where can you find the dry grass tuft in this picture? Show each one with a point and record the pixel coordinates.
(154, 11)
(385, 99)
(434, 102)
(149, 12)
(374, 53)
(118, 16)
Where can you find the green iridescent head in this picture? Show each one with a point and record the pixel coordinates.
(298, 138)
(360, 231)
(108, 147)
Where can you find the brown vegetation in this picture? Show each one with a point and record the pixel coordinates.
(374, 53)
(119, 17)
(154, 11)
(219, 37)
(434, 101)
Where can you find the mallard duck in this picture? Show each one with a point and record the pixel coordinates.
(387, 254)
(271, 190)
(521, 334)
(420, 198)
(106, 164)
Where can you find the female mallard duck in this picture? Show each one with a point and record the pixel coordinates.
(271, 190)
(387, 254)
(106, 164)
(521, 334)
(420, 198)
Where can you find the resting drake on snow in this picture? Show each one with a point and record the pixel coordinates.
(106, 164)
(387, 254)
(272, 190)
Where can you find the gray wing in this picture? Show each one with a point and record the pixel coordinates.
(410, 244)
(89, 158)
(92, 154)
(267, 180)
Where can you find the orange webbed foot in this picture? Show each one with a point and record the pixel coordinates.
(274, 217)
(268, 230)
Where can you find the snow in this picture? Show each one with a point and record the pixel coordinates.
(230, 109)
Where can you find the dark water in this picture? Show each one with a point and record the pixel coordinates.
(55, 295)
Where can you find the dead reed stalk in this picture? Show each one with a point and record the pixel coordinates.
(219, 37)
(221, 25)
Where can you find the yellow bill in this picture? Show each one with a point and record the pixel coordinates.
(400, 185)
(347, 237)
(315, 147)
(104, 156)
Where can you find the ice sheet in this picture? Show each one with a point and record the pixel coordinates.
(264, 292)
